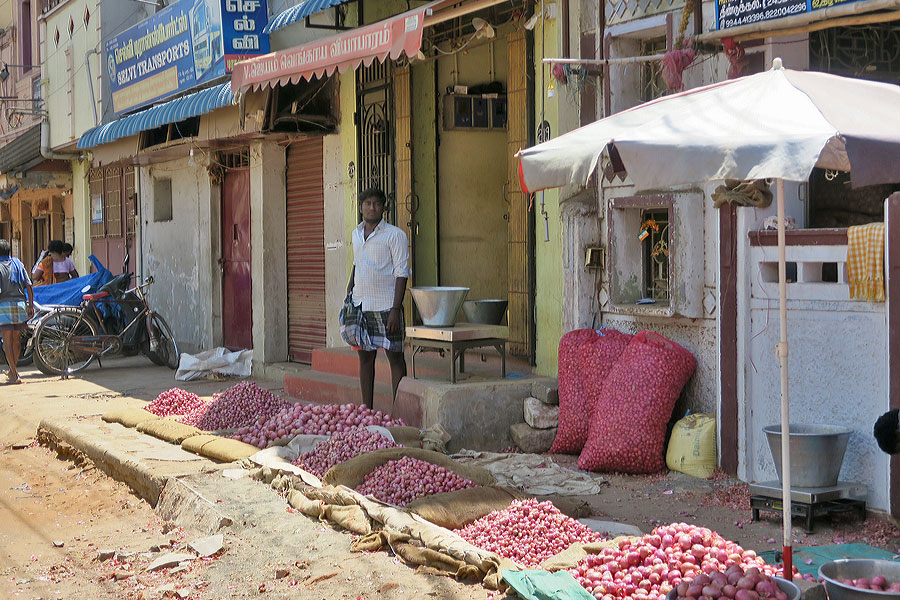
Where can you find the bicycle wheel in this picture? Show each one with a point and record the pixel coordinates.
(51, 354)
(165, 354)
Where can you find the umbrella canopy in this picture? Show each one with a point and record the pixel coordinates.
(776, 124)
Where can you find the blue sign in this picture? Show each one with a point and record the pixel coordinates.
(189, 43)
(734, 13)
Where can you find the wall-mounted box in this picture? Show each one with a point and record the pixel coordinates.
(463, 111)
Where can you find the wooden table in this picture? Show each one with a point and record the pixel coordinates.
(456, 340)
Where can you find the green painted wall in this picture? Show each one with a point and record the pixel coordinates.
(425, 173)
(549, 285)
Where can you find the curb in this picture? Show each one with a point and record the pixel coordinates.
(142, 462)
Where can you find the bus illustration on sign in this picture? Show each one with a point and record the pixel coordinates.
(206, 34)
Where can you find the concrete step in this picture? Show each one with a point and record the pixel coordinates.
(330, 388)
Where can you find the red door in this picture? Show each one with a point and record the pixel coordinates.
(237, 307)
(305, 248)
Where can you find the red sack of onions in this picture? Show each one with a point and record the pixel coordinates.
(628, 426)
(175, 402)
(585, 358)
(527, 532)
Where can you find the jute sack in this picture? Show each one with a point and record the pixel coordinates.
(570, 557)
(352, 472)
(129, 417)
(168, 430)
(218, 448)
(411, 437)
(456, 509)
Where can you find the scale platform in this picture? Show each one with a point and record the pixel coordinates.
(458, 333)
(810, 503)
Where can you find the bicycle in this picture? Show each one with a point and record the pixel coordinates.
(114, 320)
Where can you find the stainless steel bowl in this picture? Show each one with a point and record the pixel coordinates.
(817, 453)
(438, 306)
(854, 568)
(488, 312)
(788, 587)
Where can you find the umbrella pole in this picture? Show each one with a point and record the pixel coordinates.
(781, 351)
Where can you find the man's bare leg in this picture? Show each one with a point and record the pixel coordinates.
(367, 375)
(11, 348)
(398, 368)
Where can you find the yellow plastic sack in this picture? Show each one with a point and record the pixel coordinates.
(692, 446)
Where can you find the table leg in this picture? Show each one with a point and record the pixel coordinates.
(413, 358)
(462, 360)
(452, 364)
(502, 350)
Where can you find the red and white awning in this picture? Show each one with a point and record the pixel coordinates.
(387, 38)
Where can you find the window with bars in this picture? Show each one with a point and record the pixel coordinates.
(653, 85)
(656, 253)
(113, 193)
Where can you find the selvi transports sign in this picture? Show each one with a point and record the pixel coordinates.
(185, 45)
(732, 13)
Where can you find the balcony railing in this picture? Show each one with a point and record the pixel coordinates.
(48, 5)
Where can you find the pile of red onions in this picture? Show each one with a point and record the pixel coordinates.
(237, 406)
(174, 402)
(735, 583)
(528, 532)
(878, 583)
(310, 419)
(401, 481)
(647, 568)
(341, 446)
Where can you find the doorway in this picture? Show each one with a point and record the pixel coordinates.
(40, 235)
(237, 306)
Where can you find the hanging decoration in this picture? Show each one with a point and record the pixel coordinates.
(736, 56)
(675, 62)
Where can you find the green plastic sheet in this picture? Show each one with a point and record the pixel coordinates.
(544, 585)
(808, 559)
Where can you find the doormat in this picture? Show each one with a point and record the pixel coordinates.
(809, 559)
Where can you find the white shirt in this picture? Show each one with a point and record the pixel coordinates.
(379, 260)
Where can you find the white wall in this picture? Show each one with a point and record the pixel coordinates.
(337, 237)
(181, 254)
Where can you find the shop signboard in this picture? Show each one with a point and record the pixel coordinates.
(189, 43)
(733, 13)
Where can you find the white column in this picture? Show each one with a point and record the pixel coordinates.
(269, 252)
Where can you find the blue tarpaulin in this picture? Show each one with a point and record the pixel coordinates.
(70, 292)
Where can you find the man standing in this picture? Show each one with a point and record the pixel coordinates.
(15, 307)
(377, 284)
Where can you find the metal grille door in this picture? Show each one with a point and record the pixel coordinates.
(375, 131)
(305, 249)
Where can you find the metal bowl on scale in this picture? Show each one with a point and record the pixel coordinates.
(438, 305)
(487, 312)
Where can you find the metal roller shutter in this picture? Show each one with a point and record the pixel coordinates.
(305, 249)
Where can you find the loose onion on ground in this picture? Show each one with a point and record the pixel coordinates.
(647, 568)
(311, 419)
(528, 532)
(402, 481)
(237, 406)
(341, 446)
(174, 402)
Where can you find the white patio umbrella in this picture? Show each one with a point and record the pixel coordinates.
(773, 125)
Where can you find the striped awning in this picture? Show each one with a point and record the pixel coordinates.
(299, 12)
(173, 111)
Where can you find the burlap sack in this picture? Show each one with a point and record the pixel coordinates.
(129, 417)
(218, 448)
(168, 430)
(352, 472)
(459, 508)
(410, 437)
(569, 558)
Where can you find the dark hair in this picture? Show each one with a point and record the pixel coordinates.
(375, 193)
(67, 247)
(4, 247)
(56, 246)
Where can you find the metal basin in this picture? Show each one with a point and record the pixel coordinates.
(788, 587)
(488, 312)
(817, 452)
(438, 306)
(854, 568)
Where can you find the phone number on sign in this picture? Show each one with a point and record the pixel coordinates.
(764, 15)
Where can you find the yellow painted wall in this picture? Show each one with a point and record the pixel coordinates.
(81, 214)
(472, 167)
(548, 255)
(347, 132)
(63, 129)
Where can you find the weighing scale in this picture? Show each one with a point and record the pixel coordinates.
(810, 503)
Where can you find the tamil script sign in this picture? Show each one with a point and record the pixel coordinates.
(388, 38)
(733, 13)
(185, 45)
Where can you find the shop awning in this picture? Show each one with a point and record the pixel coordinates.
(22, 152)
(173, 111)
(299, 12)
(387, 38)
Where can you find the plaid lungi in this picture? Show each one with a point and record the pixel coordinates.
(367, 330)
(13, 312)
